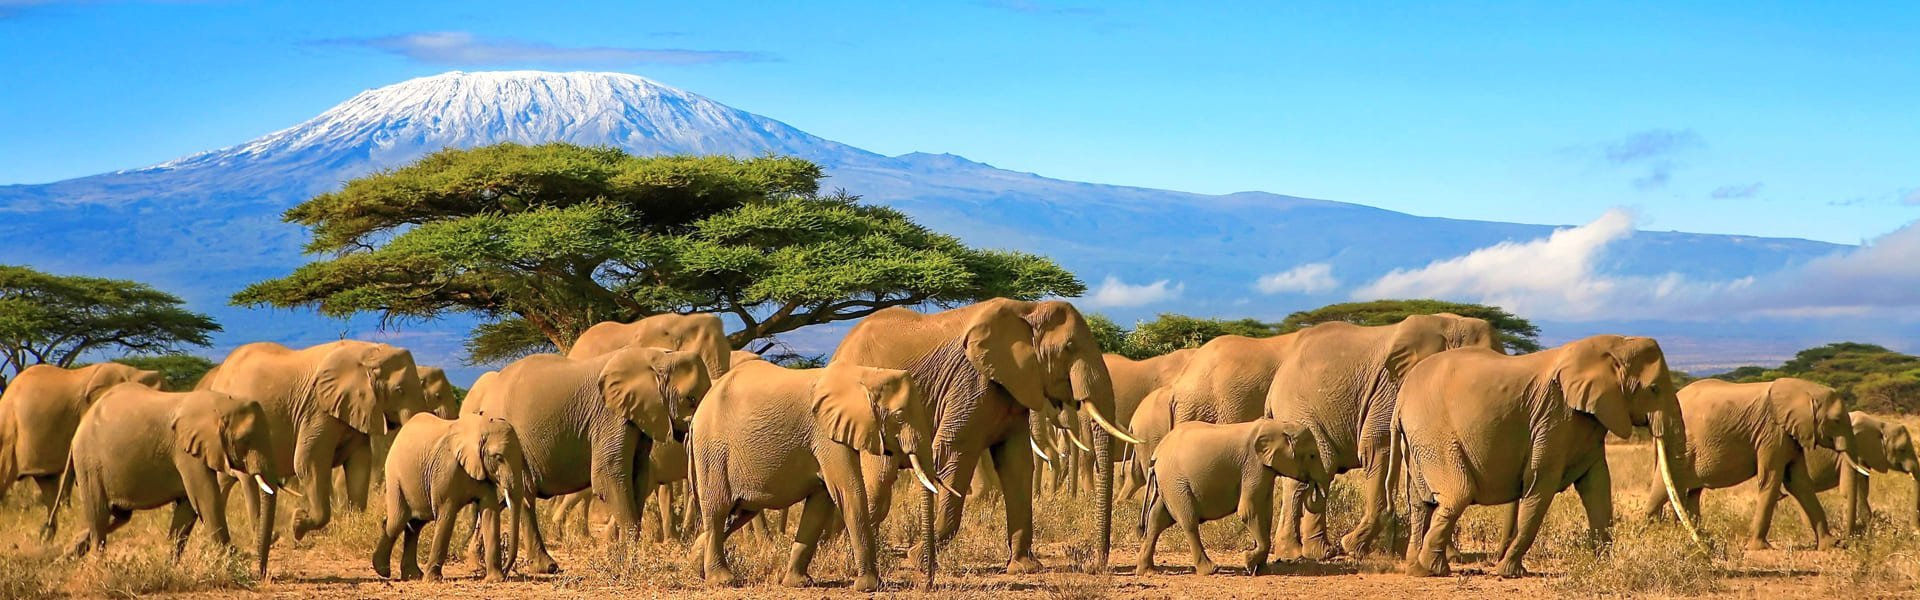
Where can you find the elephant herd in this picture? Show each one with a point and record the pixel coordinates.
(1429, 407)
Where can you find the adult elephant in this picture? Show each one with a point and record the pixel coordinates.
(1481, 427)
(39, 413)
(1341, 381)
(1878, 445)
(324, 405)
(700, 334)
(1739, 431)
(982, 368)
(442, 400)
(591, 423)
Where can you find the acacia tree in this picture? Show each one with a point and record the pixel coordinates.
(542, 242)
(56, 319)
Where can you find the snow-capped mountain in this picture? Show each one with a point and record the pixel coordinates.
(207, 224)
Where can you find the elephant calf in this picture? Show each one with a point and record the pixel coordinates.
(1878, 444)
(1202, 471)
(768, 437)
(436, 468)
(138, 448)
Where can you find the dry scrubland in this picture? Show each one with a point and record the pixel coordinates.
(1646, 560)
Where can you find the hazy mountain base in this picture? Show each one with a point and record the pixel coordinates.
(1653, 560)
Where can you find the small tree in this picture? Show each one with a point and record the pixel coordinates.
(1517, 335)
(56, 319)
(1169, 332)
(542, 242)
(182, 371)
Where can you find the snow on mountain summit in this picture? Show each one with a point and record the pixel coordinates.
(391, 125)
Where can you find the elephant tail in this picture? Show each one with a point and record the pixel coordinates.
(60, 497)
(1152, 495)
(1399, 462)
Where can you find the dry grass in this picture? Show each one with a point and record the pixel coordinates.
(1644, 560)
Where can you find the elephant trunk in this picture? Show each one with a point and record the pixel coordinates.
(1669, 447)
(927, 546)
(514, 510)
(263, 529)
(1103, 495)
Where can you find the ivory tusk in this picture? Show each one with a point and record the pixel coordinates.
(1038, 452)
(262, 481)
(921, 474)
(507, 499)
(1102, 420)
(1673, 490)
(1856, 467)
(1076, 440)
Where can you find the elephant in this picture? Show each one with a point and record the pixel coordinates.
(442, 400)
(325, 404)
(1738, 431)
(583, 422)
(1480, 427)
(739, 357)
(768, 437)
(39, 413)
(982, 369)
(437, 468)
(1878, 444)
(140, 448)
(1202, 472)
(1342, 380)
(701, 334)
(1132, 381)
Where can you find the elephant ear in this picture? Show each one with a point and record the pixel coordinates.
(1793, 410)
(632, 387)
(1590, 381)
(1000, 345)
(201, 431)
(345, 386)
(1415, 339)
(846, 410)
(1271, 442)
(470, 447)
(100, 379)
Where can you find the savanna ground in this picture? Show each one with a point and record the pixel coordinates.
(1651, 560)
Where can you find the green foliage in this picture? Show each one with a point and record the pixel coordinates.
(1517, 335)
(542, 242)
(182, 371)
(1170, 332)
(1872, 378)
(56, 319)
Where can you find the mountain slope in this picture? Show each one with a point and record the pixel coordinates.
(207, 224)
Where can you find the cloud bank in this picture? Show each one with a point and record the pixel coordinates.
(459, 48)
(1310, 278)
(1116, 293)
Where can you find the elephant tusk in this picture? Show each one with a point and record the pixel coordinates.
(507, 499)
(1038, 452)
(262, 481)
(921, 474)
(1856, 467)
(1076, 440)
(1673, 490)
(1102, 420)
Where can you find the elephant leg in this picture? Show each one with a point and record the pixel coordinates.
(531, 541)
(1432, 560)
(206, 502)
(1157, 519)
(1596, 496)
(1419, 517)
(1504, 529)
(814, 518)
(664, 506)
(1189, 522)
(410, 550)
(313, 467)
(1692, 502)
(947, 517)
(1256, 512)
(1656, 499)
(1533, 512)
(1013, 458)
(1799, 484)
(357, 472)
(1313, 531)
(1293, 501)
(443, 534)
(181, 526)
(1853, 488)
(392, 526)
(496, 570)
(49, 490)
(841, 470)
(1373, 497)
(1768, 494)
(712, 544)
(100, 526)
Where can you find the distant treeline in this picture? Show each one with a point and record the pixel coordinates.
(1873, 378)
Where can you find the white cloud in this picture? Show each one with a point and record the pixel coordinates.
(1550, 277)
(1312, 278)
(1114, 292)
(1883, 274)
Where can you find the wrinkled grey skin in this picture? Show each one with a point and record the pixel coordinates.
(438, 467)
(1203, 471)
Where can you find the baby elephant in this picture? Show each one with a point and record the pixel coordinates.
(139, 448)
(436, 468)
(1202, 471)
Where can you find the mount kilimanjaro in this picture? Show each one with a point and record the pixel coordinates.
(207, 224)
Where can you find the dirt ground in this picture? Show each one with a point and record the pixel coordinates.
(1647, 560)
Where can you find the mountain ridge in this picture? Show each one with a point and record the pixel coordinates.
(208, 223)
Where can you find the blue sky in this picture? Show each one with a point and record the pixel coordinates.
(1784, 119)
